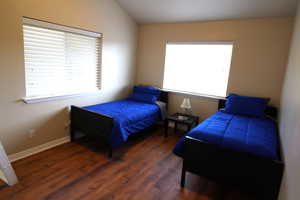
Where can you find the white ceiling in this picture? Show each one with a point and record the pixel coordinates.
(170, 11)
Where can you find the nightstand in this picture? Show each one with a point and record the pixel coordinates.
(178, 118)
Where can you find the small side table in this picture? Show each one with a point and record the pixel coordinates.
(190, 121)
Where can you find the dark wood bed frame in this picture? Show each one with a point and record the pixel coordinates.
(229, 166)
(96, 127)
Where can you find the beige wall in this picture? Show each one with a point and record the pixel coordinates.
(290, 120)
(50, 118)
(259, 55)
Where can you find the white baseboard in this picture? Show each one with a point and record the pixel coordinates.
(49, 145)
(37, 149)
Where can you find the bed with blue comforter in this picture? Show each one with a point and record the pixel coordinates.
(129, 117)
(113, 122)
(238, 145)
(257, 136)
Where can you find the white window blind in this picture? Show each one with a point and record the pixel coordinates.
(60, 60)
(198, 68)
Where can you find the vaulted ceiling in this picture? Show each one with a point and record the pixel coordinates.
(170, 11)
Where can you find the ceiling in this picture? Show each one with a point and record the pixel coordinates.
(170, 11)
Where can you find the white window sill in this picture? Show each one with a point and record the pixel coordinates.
(30, 100)
(194, 94)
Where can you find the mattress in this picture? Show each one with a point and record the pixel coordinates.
(129, 117)
(247, 134)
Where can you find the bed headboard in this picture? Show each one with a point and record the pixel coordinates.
(164, 97)
(271, 111)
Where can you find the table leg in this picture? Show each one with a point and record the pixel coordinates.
(189, 127)
(175, 127)
(183, 172)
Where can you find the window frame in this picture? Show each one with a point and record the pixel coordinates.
(67, 29)
(200, 95)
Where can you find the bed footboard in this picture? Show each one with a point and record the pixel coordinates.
(93, 125)
(226, 165)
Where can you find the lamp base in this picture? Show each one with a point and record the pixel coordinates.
(187, 111)
(180, 117)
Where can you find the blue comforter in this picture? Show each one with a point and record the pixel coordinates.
(129, 117)
(242, 133)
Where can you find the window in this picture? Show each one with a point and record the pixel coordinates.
(60, 60)
(198, 68)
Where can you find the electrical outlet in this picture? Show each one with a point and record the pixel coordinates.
(67, 124)
(31, 133)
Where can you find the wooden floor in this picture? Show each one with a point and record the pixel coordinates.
(144, 168)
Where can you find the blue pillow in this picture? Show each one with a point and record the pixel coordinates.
(143, 97)
(244, 105)
(147, 90)
(145, 94)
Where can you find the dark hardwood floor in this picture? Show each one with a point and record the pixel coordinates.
(144, 168)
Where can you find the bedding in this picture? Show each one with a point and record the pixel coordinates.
(147, 90)
(145, 94)
(244, 105)
(252, 135)
(129, 117)
(163, 109)
(143, 97)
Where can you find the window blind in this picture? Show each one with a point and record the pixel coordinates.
(200, 68)
(60, 62)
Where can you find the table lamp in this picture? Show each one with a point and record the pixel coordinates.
(186, 106)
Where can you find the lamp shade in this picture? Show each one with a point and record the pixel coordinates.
(186, 104)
